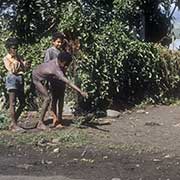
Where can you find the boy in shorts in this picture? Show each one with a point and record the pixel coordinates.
(52, 71)
(15, 66)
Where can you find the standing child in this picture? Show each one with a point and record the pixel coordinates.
(58, 40)
(15, 66)
(52, 71)
(57, 87)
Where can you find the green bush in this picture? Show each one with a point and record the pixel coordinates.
(112, 66)
(4, 121)
(2, 68)
(118, 68)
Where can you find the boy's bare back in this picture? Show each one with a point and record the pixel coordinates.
(48, 71)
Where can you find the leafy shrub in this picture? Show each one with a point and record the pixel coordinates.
(4, 121)
(112, 65)
(114, 68)
(2, 69)
(118, 68)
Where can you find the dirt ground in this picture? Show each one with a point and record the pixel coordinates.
(142, 144)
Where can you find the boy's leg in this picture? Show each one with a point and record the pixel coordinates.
(12, 102)
(54, 90)
(54, 107)
(54, 110)
(12, 85)
(61, 103)
(43, 91)
(57, 101)
(48, 86)
(20, 95)
(21, 98)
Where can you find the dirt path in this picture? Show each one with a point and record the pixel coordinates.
(155, 128)
(142, 144)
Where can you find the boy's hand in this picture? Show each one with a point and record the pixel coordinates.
(27, 65)
(84, 94)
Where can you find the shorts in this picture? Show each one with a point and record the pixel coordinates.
(57, 88)
(14, 82)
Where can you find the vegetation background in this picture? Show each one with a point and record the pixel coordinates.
(123, 56)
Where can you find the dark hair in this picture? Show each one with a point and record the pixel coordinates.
(65, 57)
(57, 35)
(11, 42)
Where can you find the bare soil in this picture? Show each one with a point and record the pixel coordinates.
(142, 144)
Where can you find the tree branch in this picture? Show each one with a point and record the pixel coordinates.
(170, 16)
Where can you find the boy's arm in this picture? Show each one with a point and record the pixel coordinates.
(47, 56)
(25, 64)
(11, 66)
(72, 85)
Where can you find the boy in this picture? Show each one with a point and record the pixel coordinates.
(15, 66)
(58, 40)
(57, 87)
(52, 71)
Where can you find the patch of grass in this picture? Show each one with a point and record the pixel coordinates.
(68, 137)
(72, 137)
(175, 102)
(4, 121)
(3, 142)
(136, 148)
(85, 119)
(172, 101)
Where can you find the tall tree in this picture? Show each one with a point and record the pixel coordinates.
(30, 20)
(152, 17)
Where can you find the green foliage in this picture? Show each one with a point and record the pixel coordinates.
(117, 68)
(151, 18)
(112, 65)
(30, 20)
(71, 137)
(82, 19)
(2, 69)
(4, 121)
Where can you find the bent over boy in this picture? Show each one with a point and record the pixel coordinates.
(51, 71)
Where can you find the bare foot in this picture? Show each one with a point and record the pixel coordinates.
(57, 124)
(16, 128)
(42, 126)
